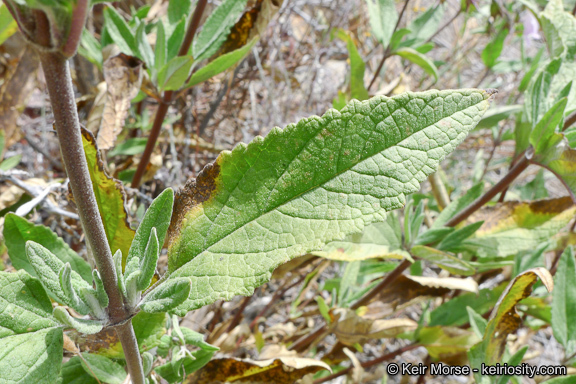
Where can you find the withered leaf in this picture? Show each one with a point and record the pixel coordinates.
(351, 328)
(123, 75)
(17, 84)
(283, 370)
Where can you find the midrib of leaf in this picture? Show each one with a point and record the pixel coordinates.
(328, 177)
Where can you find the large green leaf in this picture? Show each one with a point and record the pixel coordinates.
(17, 231)
(24, 305)
(313, 182)
(31, 357)
(216, 29)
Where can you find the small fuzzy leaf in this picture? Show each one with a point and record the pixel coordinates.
(48, 269)
(220, 64)
(477, 322)
(100, 291)
(543, 132)
(383, 18)
(149, 261)
(90, 297)
(493, 49)
(17, 231)
(357, 66)
(34, 357)
(166, 296)
(24, 304)
(216, 28)
(174, 73)
(196, 339)
(120, 32)
(88, 327)
(157, 216)
(65, 278)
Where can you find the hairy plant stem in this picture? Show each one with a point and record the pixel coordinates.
(59, 84)
(167, 97)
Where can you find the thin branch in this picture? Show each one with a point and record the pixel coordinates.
(520, 166)
(387, 51)
(569, 121)
(167, 97)
(444, 26)
(389, 279)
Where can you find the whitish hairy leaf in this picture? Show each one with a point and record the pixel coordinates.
(166, 296)
(289, 193)
(88, 327)
(216, 29)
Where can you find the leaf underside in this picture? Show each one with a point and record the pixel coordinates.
(263, 204)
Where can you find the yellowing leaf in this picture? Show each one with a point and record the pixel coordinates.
(110, 197)
(504, 320)
(514, 226)
(283, 370)
(447, 344)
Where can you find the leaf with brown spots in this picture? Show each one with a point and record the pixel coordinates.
(504, 320)
(253, 22)
(313, 182)
(110, 197)
(283, 370)
(123, 75)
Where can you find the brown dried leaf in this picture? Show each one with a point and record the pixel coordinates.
(123, 76)
(351, 329)
(17, 83)
(404, 290)
(283, 370)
